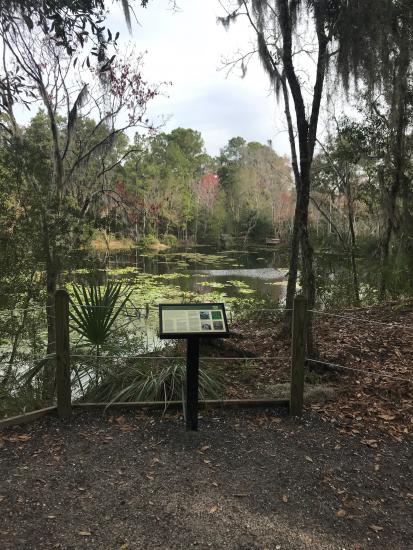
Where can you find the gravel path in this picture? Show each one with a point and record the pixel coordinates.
(244, 481)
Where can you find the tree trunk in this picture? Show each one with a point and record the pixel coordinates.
(350, 212)
(295, 242)
(399, 125)
(307, 252)
(293, 268)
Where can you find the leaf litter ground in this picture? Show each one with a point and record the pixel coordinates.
(373, 341)
(251, 480)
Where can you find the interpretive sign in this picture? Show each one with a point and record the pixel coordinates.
(184, 320)
(192, 321)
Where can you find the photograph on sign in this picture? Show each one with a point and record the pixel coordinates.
(181, 320)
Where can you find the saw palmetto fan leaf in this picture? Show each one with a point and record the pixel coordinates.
(95, 309)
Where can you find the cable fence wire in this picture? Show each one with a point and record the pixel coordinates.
(28, 360)
(365, 372)
(5, 310)
(174, 358)
(360, 319)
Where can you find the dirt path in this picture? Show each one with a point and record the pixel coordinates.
(245, 481)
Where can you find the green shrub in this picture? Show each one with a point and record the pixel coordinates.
(169, 239)
(147, 241)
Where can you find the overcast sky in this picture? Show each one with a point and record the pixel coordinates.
(186, 47)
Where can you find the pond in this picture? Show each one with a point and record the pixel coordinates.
(196, 273)
(257, 274)
(244, 279)
(250, 278)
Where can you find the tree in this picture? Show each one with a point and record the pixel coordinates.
(277, 30)
(257, 184)
(207, 191)
(64, 156)
(337, 172)
(70, 24)
(349, 39)
(162, 173)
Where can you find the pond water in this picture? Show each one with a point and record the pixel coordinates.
(255, 274)
(254, 277)
(244, 279)
(191, 274)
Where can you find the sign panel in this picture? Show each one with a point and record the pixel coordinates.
(183, 320)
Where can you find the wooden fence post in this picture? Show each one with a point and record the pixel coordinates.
(63, 387)
(298, 350)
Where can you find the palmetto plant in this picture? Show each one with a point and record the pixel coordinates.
(146, 380)
(94, 311)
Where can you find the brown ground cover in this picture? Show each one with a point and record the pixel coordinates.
(244, 481)
(341, 477)
(375, 345)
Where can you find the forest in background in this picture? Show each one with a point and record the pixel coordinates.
(166, 188)
(73, 170)
(89, 170)
(74, 175)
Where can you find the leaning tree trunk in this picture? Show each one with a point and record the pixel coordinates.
(295, 242)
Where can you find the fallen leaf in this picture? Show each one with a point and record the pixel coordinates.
(85, 533)
(18, 438)
(124, 546)
(284, 498)
(213, 510)
(376, 528)
(215, 484)
(309, 458)
(387, 416)
(341, 513)
(371, 443)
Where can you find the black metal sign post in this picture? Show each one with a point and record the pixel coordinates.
(192, 376)
(192, 321)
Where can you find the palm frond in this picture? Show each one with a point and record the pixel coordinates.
(130, 381)
(93, 312)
